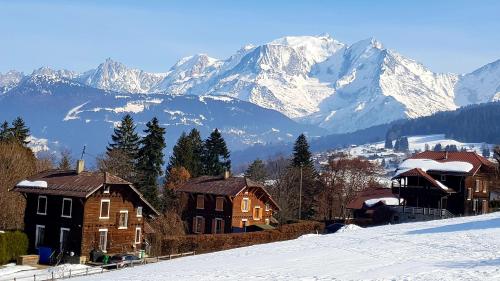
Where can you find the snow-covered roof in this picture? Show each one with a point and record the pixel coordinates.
(428, 164)
(27, 183)
(389, 201)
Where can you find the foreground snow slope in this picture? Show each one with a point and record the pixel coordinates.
(455, 249)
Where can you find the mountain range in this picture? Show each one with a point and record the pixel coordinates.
(316, 83)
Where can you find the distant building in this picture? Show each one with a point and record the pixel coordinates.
(225, 204)
(446, 183)
(368, 201)
(78, 211)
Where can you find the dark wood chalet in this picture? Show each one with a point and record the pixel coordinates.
(78, 211)
(225, 204)
(459, 182)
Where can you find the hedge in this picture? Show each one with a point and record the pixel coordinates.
(205, 243)
(12, 245)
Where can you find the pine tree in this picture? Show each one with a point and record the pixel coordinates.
(124, 148)
(257, 171)
(19, 131)
(438, 147)
(150, 160)
(216, 155)
(388, 142)
(66, 161)
(196, 167)
(5, 132)
(187, 153)
(301, 153)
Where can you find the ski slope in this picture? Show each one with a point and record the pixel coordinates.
(455, 249)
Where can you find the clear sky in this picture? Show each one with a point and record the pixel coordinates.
(447, 36)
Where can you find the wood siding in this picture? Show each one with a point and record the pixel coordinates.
(121, 198)
(209, 213)
(257, 198)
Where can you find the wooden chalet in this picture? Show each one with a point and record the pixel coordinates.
(455, 182)
(225, 204)
(75, 211)
(368, 201)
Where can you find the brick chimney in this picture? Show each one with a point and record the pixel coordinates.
(80, 166)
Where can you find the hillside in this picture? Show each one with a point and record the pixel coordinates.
(457, 249)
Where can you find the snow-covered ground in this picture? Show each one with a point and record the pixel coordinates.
(26, 272)
(455, 249)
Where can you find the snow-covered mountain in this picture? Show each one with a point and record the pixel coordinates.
(115, 76)
(315, 80)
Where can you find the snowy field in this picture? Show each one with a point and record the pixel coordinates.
(455, 249)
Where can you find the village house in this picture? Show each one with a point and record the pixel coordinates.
(225, 204)
(446, 183)
(76, 211)
(363, 207)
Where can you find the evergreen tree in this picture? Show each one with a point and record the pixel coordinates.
(438, 147)
(451, 148)
(5, 132)
(388, 142)
(257, 171)
(301, 153)
(66, 160)
(150, 160)
(216, 155)
(427, 148)
(401, 144)
(187, 153)
(486, 151)
(19, 131)
(125, 138)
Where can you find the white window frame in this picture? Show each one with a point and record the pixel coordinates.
(247, 204)
(100, 209)
(478, 186)
(70, 207)
(105, 240)
(61, 236)
(106, 189)
(215, 226)
(244, 223)
(443, 177)
(469, 194)
(37, 234)
(196, 230)
(267, 221)
(138, 238)
(38, 205)
(259, 217)
(126, 219)
(139, 212)
(268, 207)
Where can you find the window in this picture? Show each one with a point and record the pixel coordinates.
(268, 207)
(443, 177)
(198, 224)
(485, 206)
(244, 224)
(267, 221)
(42, 205)
(67, 205)
(469, 193)
(257, 213)
(138, 237)
(63, 239)
(103, 239)
(474, 205)
(39, 235)
(106, 189)
(123, 220)
(104, 209)
(218, 226)
(139, 211)
(478, 185)
(485, 187)
(200, 202)
(219, 204)
(245, 204)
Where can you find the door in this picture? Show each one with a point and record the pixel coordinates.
(63, 239)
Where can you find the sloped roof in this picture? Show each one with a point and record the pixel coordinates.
(417, 172)
(231, 186)
(70, 183)
(371, 193)
(477, 161)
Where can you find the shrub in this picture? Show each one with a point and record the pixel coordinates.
(216, 242)
(12, 245)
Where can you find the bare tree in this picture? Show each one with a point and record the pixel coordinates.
(117, 162)
(343, 179)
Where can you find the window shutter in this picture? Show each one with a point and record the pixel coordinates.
(202, 230)
(194, 230)
(222, 226)
(214, 225)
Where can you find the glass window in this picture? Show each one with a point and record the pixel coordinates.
(106, 189)
(219, 204)
(469, 193)
(198, 224)
(139, 211)
(268, 207)
(123, 222)
(138, 235)
(478, 185)
(39, 235)
(104, 209)
(245, 204)
(66, 207)
(103, 239)
(200, 202)
(257, 213)
(219, 225)
(42, 205)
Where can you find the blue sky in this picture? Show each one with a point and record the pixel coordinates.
(447, 36)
